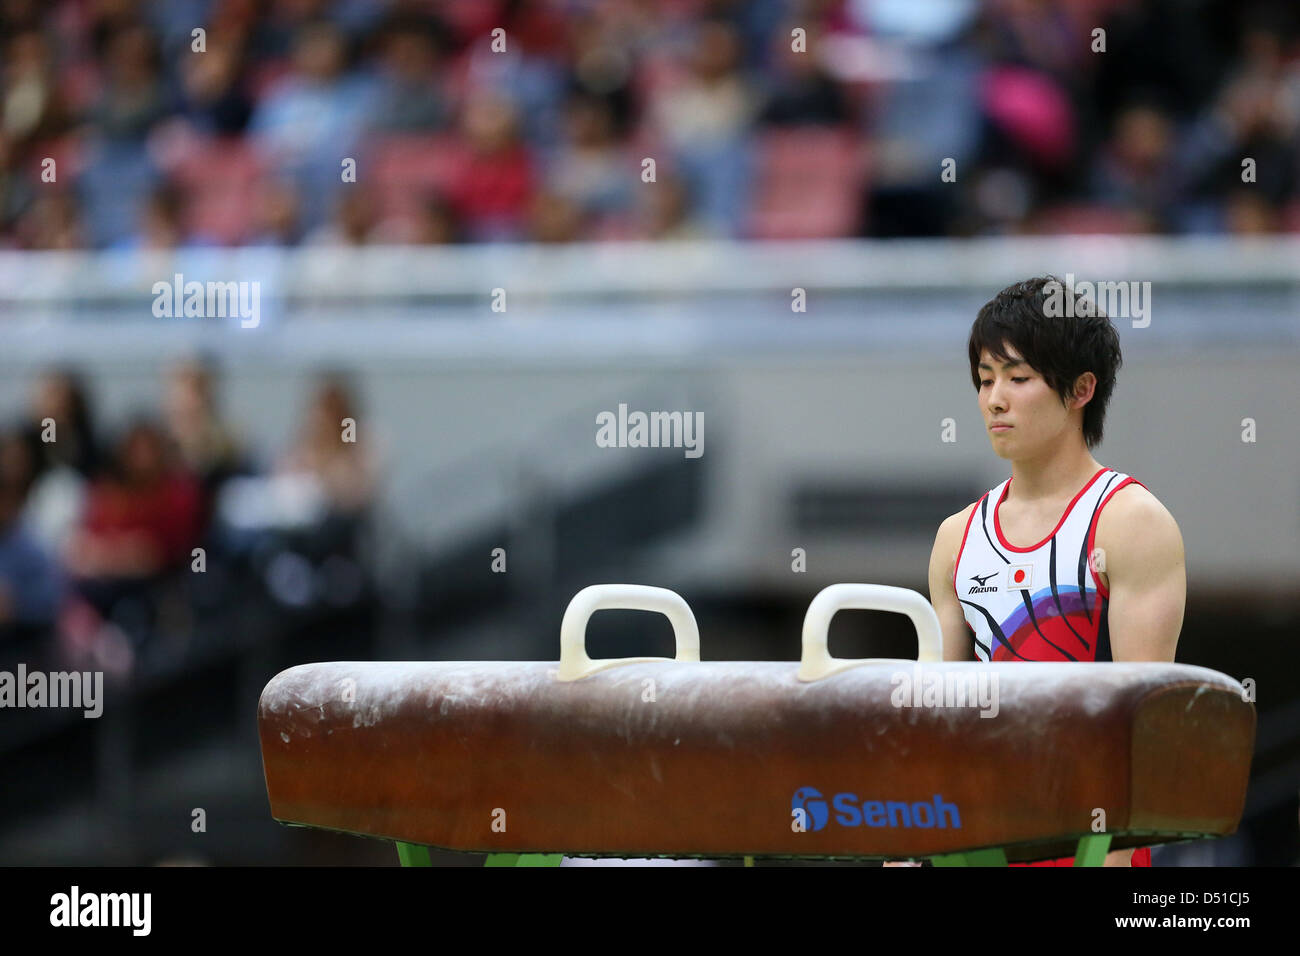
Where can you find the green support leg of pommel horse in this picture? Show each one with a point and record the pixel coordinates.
(413, 854)
(1091, 852)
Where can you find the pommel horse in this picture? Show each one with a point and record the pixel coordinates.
(965, 763)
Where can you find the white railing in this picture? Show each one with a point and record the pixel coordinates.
(397, 274)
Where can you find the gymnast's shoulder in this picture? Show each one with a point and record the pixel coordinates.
(948, 538)
(1135, 520)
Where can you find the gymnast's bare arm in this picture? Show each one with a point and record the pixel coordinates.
(957, 643)
(1139, 557)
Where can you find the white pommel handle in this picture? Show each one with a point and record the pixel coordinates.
(574, 662)
(816, 661)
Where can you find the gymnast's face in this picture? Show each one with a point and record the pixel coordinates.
(1012, 393)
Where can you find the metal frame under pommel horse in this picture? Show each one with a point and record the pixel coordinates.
(964, 763)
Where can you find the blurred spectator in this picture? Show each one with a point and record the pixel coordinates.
(1031, 113)
(142, 518)
(603, 44)
(554, 218)
(15, 196)
(119, 173)
(216, 100)
(1256, 115)
(17, 461)
(1155, 49)
(205, 442)
(311, 121)
(53, 222)
(929, 116)
(302, 525)
(433, 223)
(331, 450)
(280, 24)
(162, 222)
(706, 121)
(142, 514)
(355, 218)
(60, 428)
(411, 97)
(531, 72)
(115, 185)
(1133, 173)
(57, 470)
(803, 93)
(665, 210)
(276, 216)
(590, 169)
(30, 583)
(33, 107)
(1248, 213)
(1042, 36)
(491, 195)
(174, 21)
(1029, 137)
(134, 97)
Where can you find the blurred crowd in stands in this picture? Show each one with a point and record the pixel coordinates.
(110, 545)
(158, 145)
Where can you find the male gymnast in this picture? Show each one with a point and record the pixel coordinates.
(1066, 560)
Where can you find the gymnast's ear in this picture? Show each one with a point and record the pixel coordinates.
(1084, 388)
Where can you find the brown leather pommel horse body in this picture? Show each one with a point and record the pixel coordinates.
(961, 762)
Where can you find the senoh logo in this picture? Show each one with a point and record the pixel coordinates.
(813, 805)
(1019, 576)
(851, 811)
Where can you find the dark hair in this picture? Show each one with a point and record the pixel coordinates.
(1060, 348)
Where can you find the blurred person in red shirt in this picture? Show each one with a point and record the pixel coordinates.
(494, 189)
(141, 520)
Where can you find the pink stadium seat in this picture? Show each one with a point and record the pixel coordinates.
(407, 169)
(1291, 217)
(471, 17)
(809, 184)
(220, 177)
(68, 154)
(81, 84)
(266, 76)
(614, 228)
(656, 74)
(1084, 220)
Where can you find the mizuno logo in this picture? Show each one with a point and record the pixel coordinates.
(983, 578)
(980, 580)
